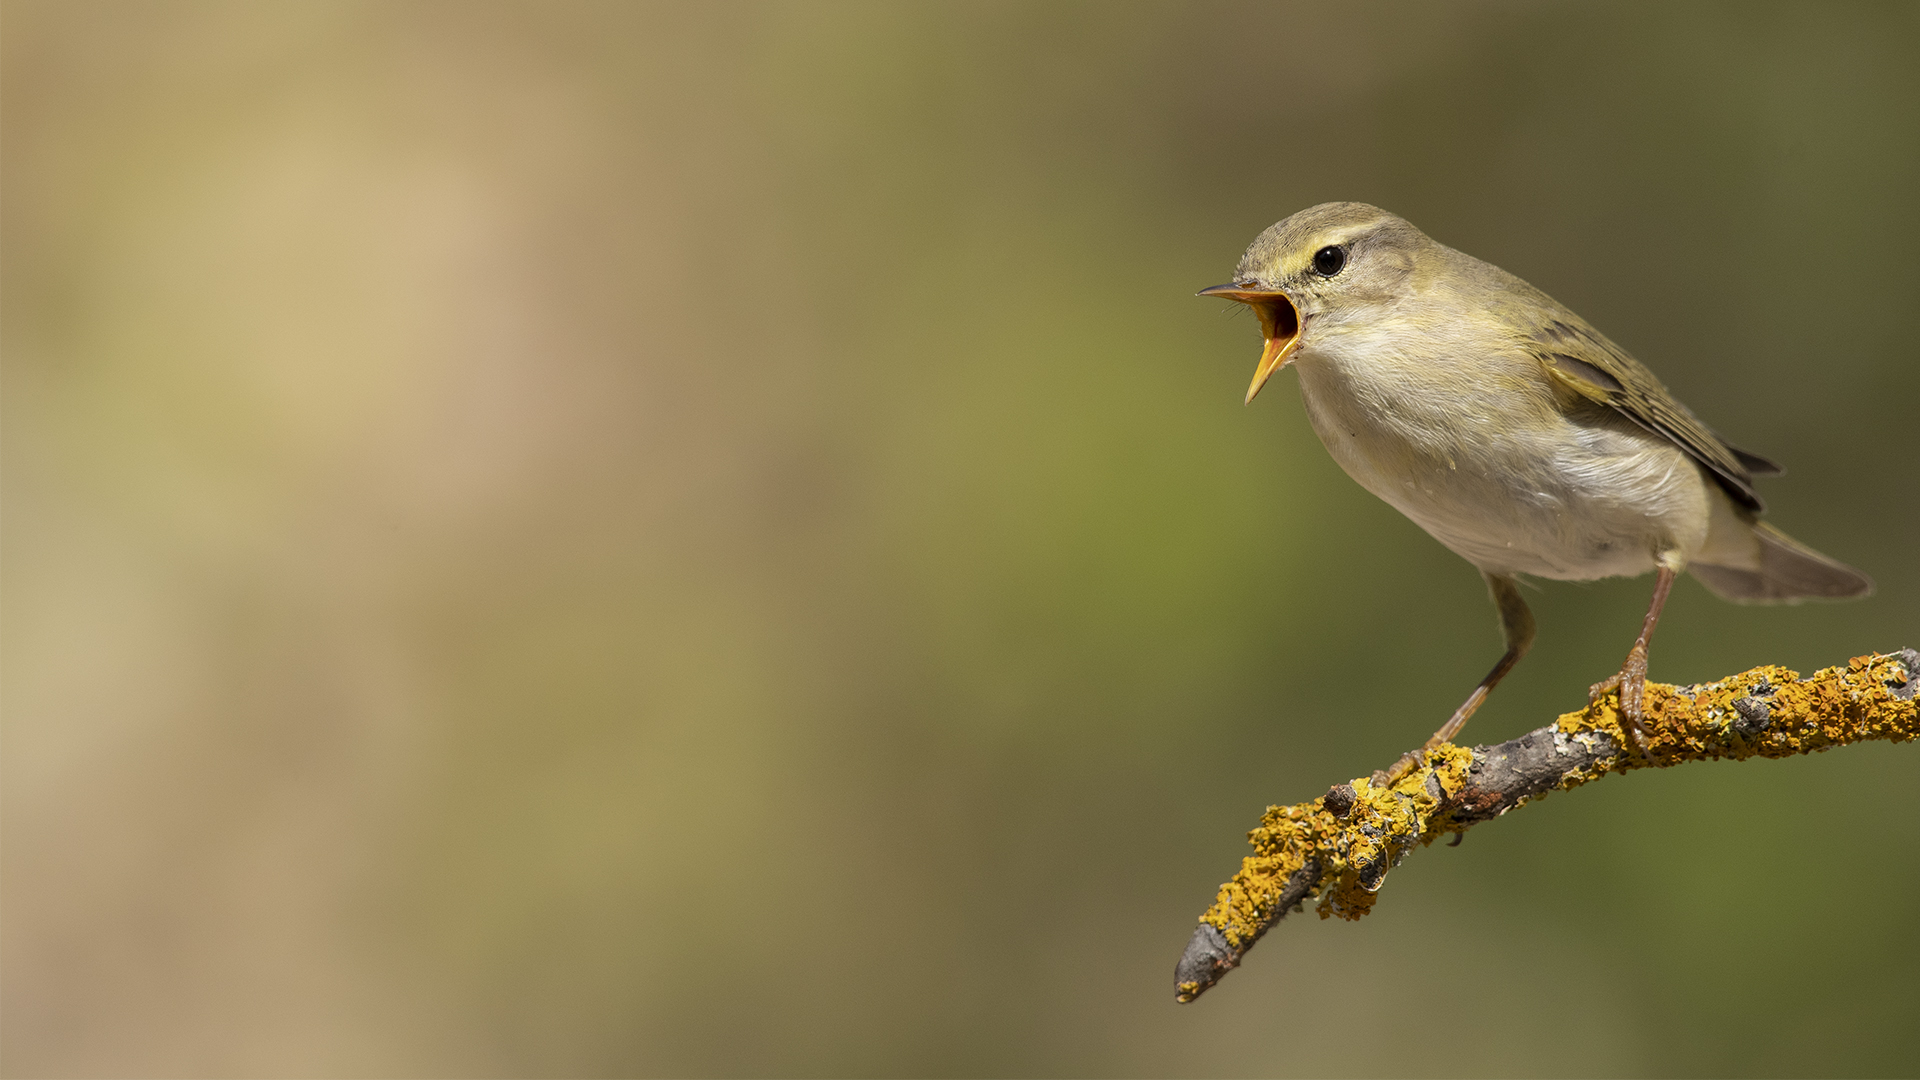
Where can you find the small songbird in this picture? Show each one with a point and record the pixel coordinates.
(1511, 430)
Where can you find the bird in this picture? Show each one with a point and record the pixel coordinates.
(1512, 431)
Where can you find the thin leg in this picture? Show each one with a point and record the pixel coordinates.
(1632, 679)
(1516, 626)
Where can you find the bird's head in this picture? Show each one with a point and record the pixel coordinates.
(1322, 267)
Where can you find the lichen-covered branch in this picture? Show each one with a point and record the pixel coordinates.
(1341, 845)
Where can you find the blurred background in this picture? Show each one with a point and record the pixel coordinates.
(605, 539)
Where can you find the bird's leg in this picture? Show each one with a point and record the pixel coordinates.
(1631, 680)
(1516, 626)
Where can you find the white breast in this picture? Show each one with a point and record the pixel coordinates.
(1480, 455)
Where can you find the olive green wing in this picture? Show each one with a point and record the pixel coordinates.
(1582, 359)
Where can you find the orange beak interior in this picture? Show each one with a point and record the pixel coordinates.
(1279, 324)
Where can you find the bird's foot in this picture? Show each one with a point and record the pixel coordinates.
(1631, 682)
(1409, 761)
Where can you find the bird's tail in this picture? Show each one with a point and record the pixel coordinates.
(1788, 571)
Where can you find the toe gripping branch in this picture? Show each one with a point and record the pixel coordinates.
(1340, 846)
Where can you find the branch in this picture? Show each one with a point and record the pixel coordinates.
(1341, 845)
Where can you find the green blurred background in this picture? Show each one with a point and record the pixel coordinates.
(638, 540)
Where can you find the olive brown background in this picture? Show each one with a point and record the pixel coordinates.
(716, 540)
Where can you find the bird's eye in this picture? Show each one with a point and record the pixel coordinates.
(1329, 260)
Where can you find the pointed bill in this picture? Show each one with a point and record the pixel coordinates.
(1279, 324)
(1272, 359)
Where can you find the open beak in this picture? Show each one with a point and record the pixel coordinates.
(1279, 322)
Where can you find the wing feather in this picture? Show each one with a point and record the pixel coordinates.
(1582, 358)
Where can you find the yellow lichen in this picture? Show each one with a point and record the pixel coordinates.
(1768, 711)
(1352, 852)
(1835, 706)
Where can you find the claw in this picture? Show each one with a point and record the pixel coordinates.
(1602, 688)
(1408, 762)
(1631, 682)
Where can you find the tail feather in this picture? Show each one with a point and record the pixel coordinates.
(1788, 571)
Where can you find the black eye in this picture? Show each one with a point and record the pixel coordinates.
(1328, 260)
